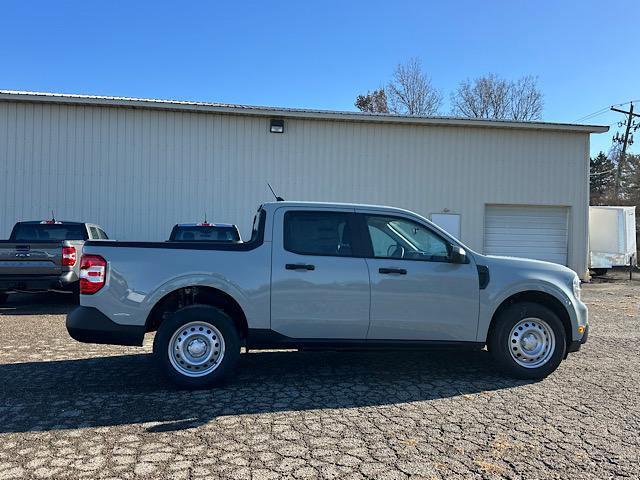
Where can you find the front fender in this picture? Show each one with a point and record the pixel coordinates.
(491, 301)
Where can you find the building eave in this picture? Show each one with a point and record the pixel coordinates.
(296, 113)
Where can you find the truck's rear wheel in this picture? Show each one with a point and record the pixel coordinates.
(197, 347)
(528, 341)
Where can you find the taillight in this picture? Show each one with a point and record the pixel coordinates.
(69, 256)
(93, 273)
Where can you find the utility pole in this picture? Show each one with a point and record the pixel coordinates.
(625, 141)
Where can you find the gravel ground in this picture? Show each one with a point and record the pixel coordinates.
(69, 410)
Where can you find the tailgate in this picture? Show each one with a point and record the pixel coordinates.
(32, 258)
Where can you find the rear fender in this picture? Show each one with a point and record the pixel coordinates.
(197, 280)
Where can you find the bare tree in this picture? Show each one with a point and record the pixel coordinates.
(493, 97)
(526, 100)
(410, 91)
(373, 102)
(485, 97)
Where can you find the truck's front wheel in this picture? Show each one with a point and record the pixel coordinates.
(528, 340)
(197, 347)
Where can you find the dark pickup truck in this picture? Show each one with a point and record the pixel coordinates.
(44, 256)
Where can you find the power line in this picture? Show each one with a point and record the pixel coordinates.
(596, 174)
(597, 113)
(594, 114)
(625, 103)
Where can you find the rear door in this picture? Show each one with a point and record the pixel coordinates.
(319, 286)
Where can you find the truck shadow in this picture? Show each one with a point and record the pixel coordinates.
(127, 389)
(47, 303)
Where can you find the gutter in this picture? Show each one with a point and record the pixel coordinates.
(295, 113)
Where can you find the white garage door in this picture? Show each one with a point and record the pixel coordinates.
(531, 232)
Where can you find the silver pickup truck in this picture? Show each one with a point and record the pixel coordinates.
(44, 256)
(321, 275)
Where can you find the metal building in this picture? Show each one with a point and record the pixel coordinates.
(138, 166)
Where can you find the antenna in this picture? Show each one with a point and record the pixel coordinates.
(278, 199)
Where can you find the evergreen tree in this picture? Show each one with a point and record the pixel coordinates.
(601, 179)
(373, 102)
(630, 180)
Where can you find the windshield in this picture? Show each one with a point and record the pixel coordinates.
(198, 233)
(26, 232)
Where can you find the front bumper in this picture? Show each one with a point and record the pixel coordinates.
(90, 325)
(575, 345)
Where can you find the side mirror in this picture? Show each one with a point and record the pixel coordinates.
(458, 255)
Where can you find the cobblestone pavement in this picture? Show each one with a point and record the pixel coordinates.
(69, 410)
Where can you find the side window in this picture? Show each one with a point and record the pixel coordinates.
(394, 237)
(103, 236)
(318, 233)
(94, 233)
(382, 242)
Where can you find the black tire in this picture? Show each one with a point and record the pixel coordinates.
(599, 272)
(202, 314)
(75, 293)
(3, 297)
(500, 340)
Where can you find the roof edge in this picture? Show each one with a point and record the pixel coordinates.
(262, 111)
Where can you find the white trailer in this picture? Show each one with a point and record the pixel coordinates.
(612, 237)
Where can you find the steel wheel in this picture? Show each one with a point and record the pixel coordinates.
(196, 349)
(531, 342)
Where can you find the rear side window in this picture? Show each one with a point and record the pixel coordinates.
(319, 233)
(103, 236)
(94, 233)
(207, 234)
(27, 232)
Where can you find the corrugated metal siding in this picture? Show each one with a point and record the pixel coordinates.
(137, 171)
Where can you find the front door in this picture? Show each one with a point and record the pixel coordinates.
(416, 293)
(319, 287)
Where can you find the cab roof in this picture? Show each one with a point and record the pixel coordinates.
(362, 206)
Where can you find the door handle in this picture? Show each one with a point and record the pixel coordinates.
(400, 271)
(299, 266)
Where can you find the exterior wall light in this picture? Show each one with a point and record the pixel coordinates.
(276, 126)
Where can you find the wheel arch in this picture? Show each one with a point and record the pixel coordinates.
(541, 298)
(197, 295)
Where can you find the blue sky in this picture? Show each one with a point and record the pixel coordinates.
(322, 54)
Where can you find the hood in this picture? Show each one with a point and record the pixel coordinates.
(527, 264)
